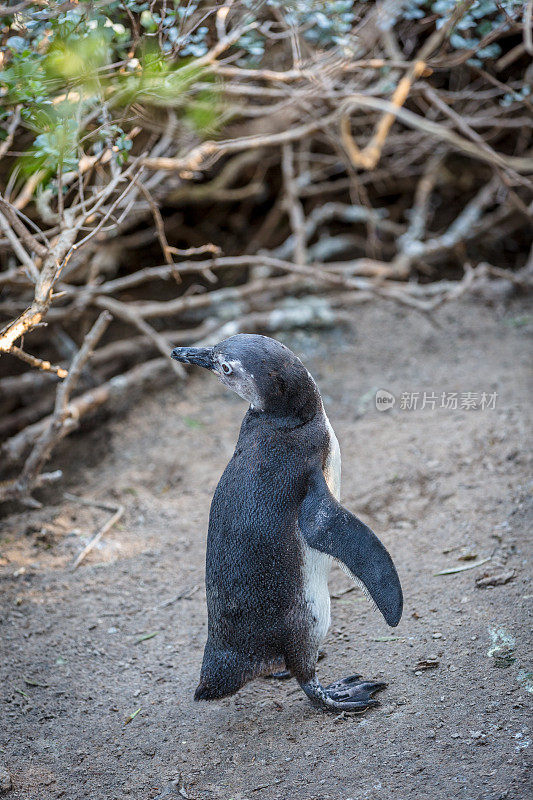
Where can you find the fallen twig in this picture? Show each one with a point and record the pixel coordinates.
(463, 568)
(185, 595)
(119, 511)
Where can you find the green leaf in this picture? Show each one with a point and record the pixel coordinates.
(16, 43)
(145, 637)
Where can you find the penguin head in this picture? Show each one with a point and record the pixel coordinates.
(261, 370)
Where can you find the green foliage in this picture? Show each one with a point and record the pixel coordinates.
(253, 45)
(57, 144)
(205, 113)
(329, 23)
(77, 72)
(482, 17)
(323, 23)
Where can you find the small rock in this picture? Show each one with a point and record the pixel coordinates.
(496, 579)
(174, 790)
(6, 783)
(169, 792)
(424, 664)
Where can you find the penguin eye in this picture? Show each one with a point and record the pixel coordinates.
(226, 368)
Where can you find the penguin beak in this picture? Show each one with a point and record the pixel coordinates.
(201, 356)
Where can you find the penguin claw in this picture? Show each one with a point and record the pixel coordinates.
(350, 694)
(340, 684)
(347, 694)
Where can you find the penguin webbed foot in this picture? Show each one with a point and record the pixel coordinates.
(353, 691)
(347, 694)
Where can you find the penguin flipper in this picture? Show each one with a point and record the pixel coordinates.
(328, 527)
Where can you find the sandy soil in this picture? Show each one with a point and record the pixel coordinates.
(439, 486)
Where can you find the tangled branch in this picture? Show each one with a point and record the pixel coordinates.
(232, 188)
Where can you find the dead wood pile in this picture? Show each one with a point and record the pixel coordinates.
(391, 166)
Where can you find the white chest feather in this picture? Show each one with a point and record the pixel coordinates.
(317, 565)
(332, 469)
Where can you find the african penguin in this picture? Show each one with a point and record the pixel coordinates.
(275, 526)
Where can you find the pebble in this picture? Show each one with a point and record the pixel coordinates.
(5, 780)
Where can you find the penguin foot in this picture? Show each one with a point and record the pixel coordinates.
(353, 690)
(347, 694)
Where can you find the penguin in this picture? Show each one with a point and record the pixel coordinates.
(275, 527)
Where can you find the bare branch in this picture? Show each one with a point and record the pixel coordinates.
(16, 223)
(12, 127)
(289, 189)
(39, 363)
(520, 164)
(122, 311)
(294, 207)
(206, 154)
(369, 157)
(528, 24)
(21, 254)
(56, 427)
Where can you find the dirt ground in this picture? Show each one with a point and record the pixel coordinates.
(83, 652)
